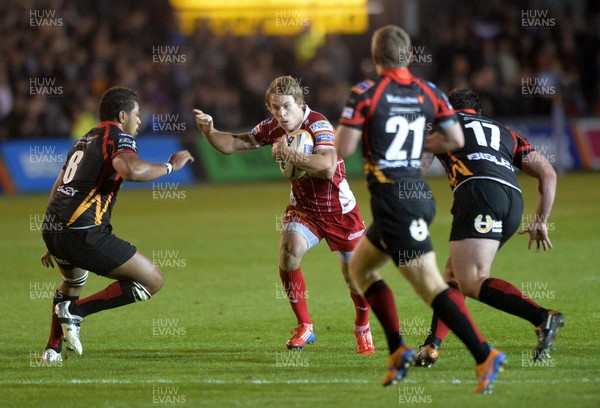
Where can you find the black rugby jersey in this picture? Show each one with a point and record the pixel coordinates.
(491, 151)
(394, 113)
(89, 186)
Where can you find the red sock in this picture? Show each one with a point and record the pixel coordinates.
(438, 328)
(55, 339)
(293, 283)
(362, 309)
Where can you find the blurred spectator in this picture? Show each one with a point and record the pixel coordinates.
(49, 74)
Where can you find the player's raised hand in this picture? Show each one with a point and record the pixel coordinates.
(203, 121)
(538, 231)
(179, 159)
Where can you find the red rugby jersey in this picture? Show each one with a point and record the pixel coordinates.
(315, 195)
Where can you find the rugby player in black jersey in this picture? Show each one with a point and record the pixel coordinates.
(487, 211)
(392, 116)
(77, 229)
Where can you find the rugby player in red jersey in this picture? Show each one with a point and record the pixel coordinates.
(322, 206)
(487, 211)
(77, 229)
(392, 116)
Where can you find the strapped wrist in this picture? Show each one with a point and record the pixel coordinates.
(169, 167)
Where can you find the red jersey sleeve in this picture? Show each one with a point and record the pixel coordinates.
(323, 134)
(260, 135)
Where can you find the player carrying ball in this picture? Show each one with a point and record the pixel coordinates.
(321, 202)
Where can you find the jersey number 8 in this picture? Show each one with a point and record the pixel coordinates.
(72, 166)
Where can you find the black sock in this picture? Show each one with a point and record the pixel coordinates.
(381, 300)
(431, 337)
(457, 318)
(117, 294)
(506, 297)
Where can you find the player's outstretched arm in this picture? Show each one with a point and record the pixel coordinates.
(224, 142)
(132, 168)
(536, 165)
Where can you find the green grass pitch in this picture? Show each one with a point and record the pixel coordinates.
(215, 334)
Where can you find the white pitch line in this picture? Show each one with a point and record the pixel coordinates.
(277, 382)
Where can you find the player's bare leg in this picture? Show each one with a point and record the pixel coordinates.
(471, 261)
(136, 280)
(472, 267)
(293, 246)
(362, 329)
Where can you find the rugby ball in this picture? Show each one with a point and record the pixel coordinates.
(299, 141)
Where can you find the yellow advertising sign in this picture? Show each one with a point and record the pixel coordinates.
(273, 17)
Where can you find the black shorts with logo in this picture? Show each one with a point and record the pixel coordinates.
(94, 249)
(402, 212)
(486, 209)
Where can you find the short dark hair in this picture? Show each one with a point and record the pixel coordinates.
(464, 99)
(391, 47)
(115, 100)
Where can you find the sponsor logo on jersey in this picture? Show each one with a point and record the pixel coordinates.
(70, 191)
(418, 230)
(401, 99)
(362, 87)
(484, 224)
(325, 138)
(127, 142)
(492, 158)
(307, 149)
(347, 113)
(321, 125)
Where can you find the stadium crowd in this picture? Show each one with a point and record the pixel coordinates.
(58, 57)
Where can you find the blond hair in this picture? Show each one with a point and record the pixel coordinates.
(285, 85)
(391, 47)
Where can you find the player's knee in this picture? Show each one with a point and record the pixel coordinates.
(155, 281)
(362, 278)
(469, 289)
(290, 262)
(290, 258)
